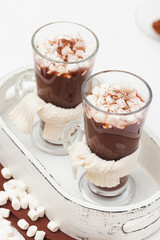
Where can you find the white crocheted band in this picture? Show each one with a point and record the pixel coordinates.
(101, 172)
(54, 118)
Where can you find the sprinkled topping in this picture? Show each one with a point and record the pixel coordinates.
(116, 98)
(63, 49)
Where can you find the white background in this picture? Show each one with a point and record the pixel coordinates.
(122, 45)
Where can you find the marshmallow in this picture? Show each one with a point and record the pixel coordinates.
(3, 198)
(33, 204)
(23, 224)
(15, 204)
(20, 185)
(40, 235)
(24, 202)
(73, 67)
(6, 173)
(32, 214)
(14, 184)
(31, 232)
(4, 212)
(40, 211)
(12, 193)
(52, 226)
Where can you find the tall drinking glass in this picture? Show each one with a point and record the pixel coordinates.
(64, 55)
(113, 123)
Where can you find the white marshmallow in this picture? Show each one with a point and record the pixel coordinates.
(80, 53)
(40, 235)
(31, 232)
(41, 211)
(4, 212)
(66, 50)
(73, 67)
(52, 226)
(24, 202)
(14, 184)
(72, 58)
(32, 214)
(12, 193)
(6, 173)
(15, 204)
(23, 224)
(33, 204)
(100, 117)
(21, 194)
(3, 198)
(21, 186)
(121, 103)
(8, 185)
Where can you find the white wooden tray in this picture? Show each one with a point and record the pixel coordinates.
(50, 180)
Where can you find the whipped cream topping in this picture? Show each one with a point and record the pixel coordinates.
(64, 48)
(115, 98)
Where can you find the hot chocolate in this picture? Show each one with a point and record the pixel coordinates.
(111, 136)
(59, 81)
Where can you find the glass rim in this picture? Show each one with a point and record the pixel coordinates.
(63, 62)
(113, 113)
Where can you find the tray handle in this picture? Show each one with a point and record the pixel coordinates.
(142, 222)
(25, 83)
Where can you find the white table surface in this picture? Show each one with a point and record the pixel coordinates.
(122, 45)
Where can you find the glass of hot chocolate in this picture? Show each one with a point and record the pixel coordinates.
(115, 105)
(64, 55)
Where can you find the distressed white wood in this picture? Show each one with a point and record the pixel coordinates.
(77, 218)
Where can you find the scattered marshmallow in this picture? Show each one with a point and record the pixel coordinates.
(12, 193)
(40, 235)
(16, 204)
(23, 224)
(3, 198)
(33, 204)
(14, 184)
(6, 173)
(32, 214)
(24, 202)
(4, 212)
(41, 211)
(52, 226)
(31, 232)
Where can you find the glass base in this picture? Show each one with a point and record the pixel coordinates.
(146, 13)
(47, 147)
(118, 197)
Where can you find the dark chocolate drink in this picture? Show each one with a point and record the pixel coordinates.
(61, 90)
(109, 135)
(112, 143)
